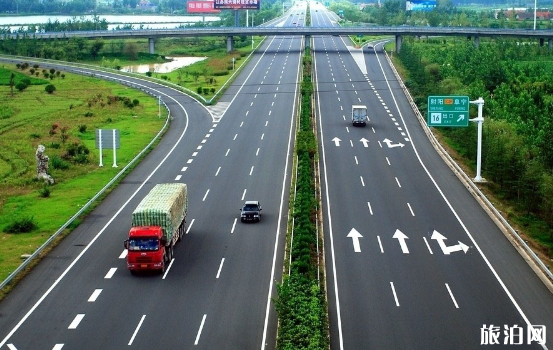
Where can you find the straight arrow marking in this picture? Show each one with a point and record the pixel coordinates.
(355, 235)
(336, 141)
(401, 237)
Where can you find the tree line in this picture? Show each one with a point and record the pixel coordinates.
(516, 81)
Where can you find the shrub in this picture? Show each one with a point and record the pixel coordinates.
(55, 145)
(57, 163)
(35, 136)
(82, 128)
(46, 74)
(21, 86)
(58, 73)
(44, 192)
(199, 89)
(78, 152)
(35, 66)
(18, 65)
(52, 71)
(32, 71)
(109, 120)
(50, 88)
(148, 74)
(26, 81)
(135, 102)
(206, 91)
(212, 90)
(63, 76)
(21, 225)
(37, 74)
(164, 77)
(89, 114)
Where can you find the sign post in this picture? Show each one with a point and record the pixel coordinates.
(106, 138)
(480, 121)
(448, 111)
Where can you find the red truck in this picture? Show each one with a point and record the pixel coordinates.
(158, 223)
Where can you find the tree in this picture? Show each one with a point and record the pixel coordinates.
(21, 86)
(131, 50)
(97, 45)
(50, 88)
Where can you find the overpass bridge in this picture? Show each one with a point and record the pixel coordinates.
(398, 32)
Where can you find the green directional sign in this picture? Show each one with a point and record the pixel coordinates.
(448, 111)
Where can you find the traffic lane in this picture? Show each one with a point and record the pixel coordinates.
(491, 240)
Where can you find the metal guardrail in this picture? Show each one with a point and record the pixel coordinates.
(87, 205)
(467, 179)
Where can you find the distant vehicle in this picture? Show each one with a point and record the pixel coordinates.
(293, 22)
(158, 223)
(359, 115)
(251, 211)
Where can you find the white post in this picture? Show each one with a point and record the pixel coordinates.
(100, 143)
(535, 9)
(114, 151)
(159, 106)
(233, 63)
(247, 18)
(480, 121)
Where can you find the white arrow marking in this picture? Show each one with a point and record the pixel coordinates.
(401, 237)
(12, 347)
(365, 142)
(445, 249)
(355, 235)
(390, 145)
(461, 117)
(336, 141)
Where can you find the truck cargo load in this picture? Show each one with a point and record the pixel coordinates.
(359, 115)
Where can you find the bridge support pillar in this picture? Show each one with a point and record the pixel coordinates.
(230, 43)
(476, 41)
(398, 43)
(541, 41)
(550, 43)
(151, 45)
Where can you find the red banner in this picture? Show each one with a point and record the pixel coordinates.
(201, 7)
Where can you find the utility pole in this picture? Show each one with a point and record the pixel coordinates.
(535, 12)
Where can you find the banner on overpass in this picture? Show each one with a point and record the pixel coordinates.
(237, 4)
(201, 7)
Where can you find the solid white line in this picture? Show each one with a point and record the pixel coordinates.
(398, 182)
(380, 244)
(257, 152)
(190, 226)
(12, 347)
(220, 267)
(203, 200)
(243, 194)
(370, 208)
(228, 150)
(356, 162)
(76, 321)
(178, 177)
(409, 205)
(94, 295)
(168, 268)
(388, 161)
(235, 135)
(362, 182)
(233, 225)
(217, 173)
(427, 245)
(66, 271)
(136, 330)
(57, 347)
(394, 291)
(123, 254)
(251, 170)
(184, 168)
(110, 273)
(451, 295)
(280, 214)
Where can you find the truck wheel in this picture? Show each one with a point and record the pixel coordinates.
(169, 252)
(181, 232)
(133, 272)
(163, 265)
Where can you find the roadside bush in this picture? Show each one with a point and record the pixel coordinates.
(21, 86)
(82, 128)
(206, 91)
(58, 163)
(44, 192)
(21, 225)
(63, 76)
(164, 77)
(199, 90)
(148, 73)
(52, 71)
(55, 145)
(26, 81)
(35, 136)
(50, 88)
(212, 90)
(77, 152)
(135, 102)
(89, 114)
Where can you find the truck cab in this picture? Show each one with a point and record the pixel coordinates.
(359, 116)
(146, 249)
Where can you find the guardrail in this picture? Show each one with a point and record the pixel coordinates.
(457, 169)
(87, 205)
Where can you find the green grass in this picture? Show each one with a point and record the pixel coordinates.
(31, 115)
(5, 75)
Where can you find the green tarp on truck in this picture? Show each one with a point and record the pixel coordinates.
(166, 206)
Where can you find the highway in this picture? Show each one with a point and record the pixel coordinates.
(412, 260)
(217, 291)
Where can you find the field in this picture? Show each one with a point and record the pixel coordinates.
(64, 122)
